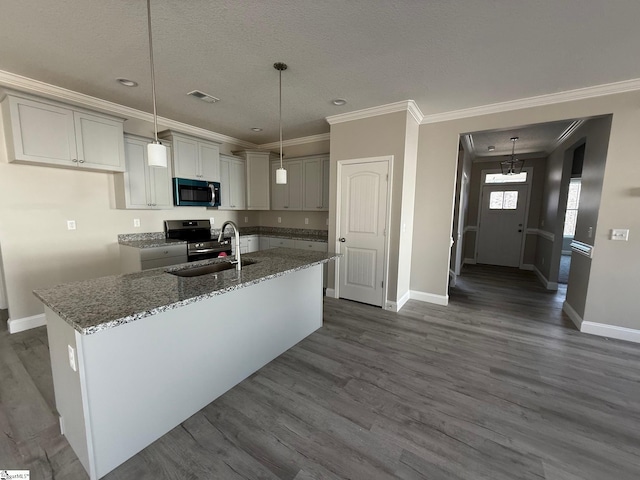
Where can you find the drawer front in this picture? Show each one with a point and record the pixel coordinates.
(282, 242)
(163, 252)
(315, 246)
(163, 262)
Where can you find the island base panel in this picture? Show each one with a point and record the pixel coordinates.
(146, 377)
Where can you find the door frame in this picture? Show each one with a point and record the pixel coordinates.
(387, 243)
(525, 226)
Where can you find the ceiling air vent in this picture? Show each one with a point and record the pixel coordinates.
(205, 97)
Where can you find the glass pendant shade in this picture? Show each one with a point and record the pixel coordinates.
(281, 176)
(156, 155)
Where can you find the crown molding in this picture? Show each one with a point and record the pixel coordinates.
(564, 135)
(538, 101)
(29, 85)
(404, 106)
(322, 137)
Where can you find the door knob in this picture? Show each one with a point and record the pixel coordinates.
(342, 239)
(520, 231)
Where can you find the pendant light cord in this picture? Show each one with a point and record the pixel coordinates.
(280, 118)
(153, 77)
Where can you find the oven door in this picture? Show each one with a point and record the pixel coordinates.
(193, 255)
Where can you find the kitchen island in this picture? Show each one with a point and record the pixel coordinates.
(134, 355)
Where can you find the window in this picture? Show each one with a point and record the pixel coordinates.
(505, 200)
(573, 201)
(500, 178)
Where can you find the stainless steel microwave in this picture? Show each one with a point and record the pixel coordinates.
(195, 193)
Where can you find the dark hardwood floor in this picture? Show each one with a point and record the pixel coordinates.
(498, 385)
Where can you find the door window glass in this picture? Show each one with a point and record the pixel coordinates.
(500, 178)
(503, 200)
(573, 201)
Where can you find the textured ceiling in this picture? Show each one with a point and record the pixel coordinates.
(445, 55)
(541, 138)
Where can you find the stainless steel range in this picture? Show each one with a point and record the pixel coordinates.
(197, 233)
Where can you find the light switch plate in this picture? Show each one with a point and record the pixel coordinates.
(136, 222)
(621, 234)
(212, 220)
(71, 224)
(306, 221)
(279, 219)
(246, 219)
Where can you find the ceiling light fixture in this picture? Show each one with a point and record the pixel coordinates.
(126, 82)
(281, 173)
(256, 129)
(339, 102)
(513, 166)
(156, 152)
(205, 97)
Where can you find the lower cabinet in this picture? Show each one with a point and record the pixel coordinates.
(249, 243)
(142, 187)
(133, 259)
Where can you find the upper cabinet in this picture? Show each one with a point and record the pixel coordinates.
(48, 133)
(193, 157)
(232, 183)
(142, 187)
(257, 162)
(307, 185)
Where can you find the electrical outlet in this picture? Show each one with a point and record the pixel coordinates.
(72, 358)
(620, 234)
(246, 219)
(279, 219)
(136, 222)
(306, 221)
(71, 224)
(212, 221)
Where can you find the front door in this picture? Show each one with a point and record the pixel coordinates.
(363, 215)
(501, 228)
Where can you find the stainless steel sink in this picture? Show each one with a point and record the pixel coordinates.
(207, 269)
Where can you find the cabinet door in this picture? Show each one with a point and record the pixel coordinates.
(282, 242)
(225, 183)
(279, 193)
(185, 158)
(42, 133)
(294, 182)
(311, 245)
(324, 189)
(160, 188)
(100, 142)
(136, 181)
(312, 194)
(238, 185)
(209, 156)
(264, 243)
(258, 182)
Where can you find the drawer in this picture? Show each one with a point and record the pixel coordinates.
(163, 262)
(281, 242)
(166, 251)
(308, 245)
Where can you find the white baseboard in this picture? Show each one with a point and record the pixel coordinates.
(573, 315)
(527, 266)
(331, 293)
(547, 284)
(611, 331)
(429, 297)
(26, 323)
(469, 261)
(396, 306)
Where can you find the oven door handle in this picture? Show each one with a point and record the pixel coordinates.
(205, 250)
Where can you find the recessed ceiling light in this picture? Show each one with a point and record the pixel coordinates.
(491, 148)
(205, 97)
(126, 82)
(256, 129)
(339, 102)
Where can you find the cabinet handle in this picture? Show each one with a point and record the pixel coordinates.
(74, 160)
(286, 206)
(166, 252)
(319, 206)
(81, 161)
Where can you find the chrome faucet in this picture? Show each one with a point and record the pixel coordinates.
(237, 232)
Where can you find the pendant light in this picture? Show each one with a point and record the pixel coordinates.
(281, 173)
(513, 166)
(156, 152)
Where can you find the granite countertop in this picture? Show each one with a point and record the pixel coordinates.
(93, 305)
(152, 243)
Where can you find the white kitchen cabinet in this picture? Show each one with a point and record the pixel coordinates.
(133, 259)
(288, 196)
(264, 243)
(194, 158)
(258, 182)
(140, 186)
(232, 183)
(52, 134)
(249, 243)
(275, 242)
(316, 183)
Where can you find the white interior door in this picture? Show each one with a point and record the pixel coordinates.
(363, 216)
(501, 228)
